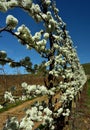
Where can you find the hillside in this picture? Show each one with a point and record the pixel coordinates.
(13, 82)
(86, 67)
(80, 117)
(8, 82)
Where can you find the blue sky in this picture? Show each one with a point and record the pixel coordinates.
(75, 13)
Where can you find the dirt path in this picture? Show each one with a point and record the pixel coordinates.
(80, 119)
(18, 111)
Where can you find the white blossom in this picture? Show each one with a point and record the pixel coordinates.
(48, 63)
(41, 43)
(3, 7)
(38, 92)
(44, 16)
(52, 127)
(31, 88)
(43, 89)
(23, 98)
(1, 106)
(37, 36)
(23, 30)
(47, 111)
(56, 46)
(12, 3)
(50, 92)
(66, 113)
(40, 107)
(24, 85)
(47, 119)
(11, 21)
(8, 96)
(34, 114)
(49, 16)
(37, 8)
(60, 110)
(56, 37)
(27, 3)
(46, 35)
(26, 123)
(48, 2)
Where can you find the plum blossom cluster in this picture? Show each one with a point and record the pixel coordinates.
(31, 91)
(8, 97)
(35, 114)
(34, 90)
(1, 106)
(11, 22)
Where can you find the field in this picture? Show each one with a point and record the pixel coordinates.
(8, 82)
(18, 109)
(80, 117)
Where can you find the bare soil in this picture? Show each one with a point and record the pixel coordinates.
(18, 111)
(80, 117)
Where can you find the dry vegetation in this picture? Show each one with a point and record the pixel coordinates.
(80, 119)
(7, 82)
(16, 80)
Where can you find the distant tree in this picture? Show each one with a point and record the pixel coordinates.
(35, 69)
(54, 44)
(40, 69)
(25, 62)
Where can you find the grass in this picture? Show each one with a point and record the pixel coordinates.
(17, 103)
(11, 105)
(86, 68)
(88, 94)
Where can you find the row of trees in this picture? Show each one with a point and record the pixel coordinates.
(54, 44)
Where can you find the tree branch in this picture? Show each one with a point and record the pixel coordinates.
(16, 64)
